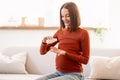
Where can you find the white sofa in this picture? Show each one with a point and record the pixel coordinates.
(38, 65)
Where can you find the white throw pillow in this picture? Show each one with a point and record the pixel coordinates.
(13, 64)
(105, 67)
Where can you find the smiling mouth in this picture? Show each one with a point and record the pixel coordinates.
(66, 22)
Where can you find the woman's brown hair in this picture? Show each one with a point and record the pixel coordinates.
(75, 21)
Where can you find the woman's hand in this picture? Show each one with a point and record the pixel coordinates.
(58, 51)
(49, 39)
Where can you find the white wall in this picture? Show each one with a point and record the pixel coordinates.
(33, 37)
(10, 38)
(22, 37)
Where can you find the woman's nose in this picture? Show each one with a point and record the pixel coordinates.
(65, 18)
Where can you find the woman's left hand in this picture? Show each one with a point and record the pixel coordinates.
(58, 51)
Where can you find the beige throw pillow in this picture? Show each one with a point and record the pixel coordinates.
(13, 64)
(105, 67)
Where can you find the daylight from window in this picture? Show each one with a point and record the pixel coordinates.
(13, 11)
(94, 13)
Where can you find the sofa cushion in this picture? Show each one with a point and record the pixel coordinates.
(35, 63)
(13, 64)
(105, 67)
(19, 76)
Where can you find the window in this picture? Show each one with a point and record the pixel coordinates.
(93, 12)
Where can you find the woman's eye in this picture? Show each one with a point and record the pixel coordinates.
(68, 16)
(65, 16)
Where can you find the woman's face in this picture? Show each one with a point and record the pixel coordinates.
(65, 17)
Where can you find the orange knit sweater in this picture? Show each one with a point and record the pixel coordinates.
(77, 47)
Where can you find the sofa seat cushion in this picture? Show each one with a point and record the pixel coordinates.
(19, 76)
